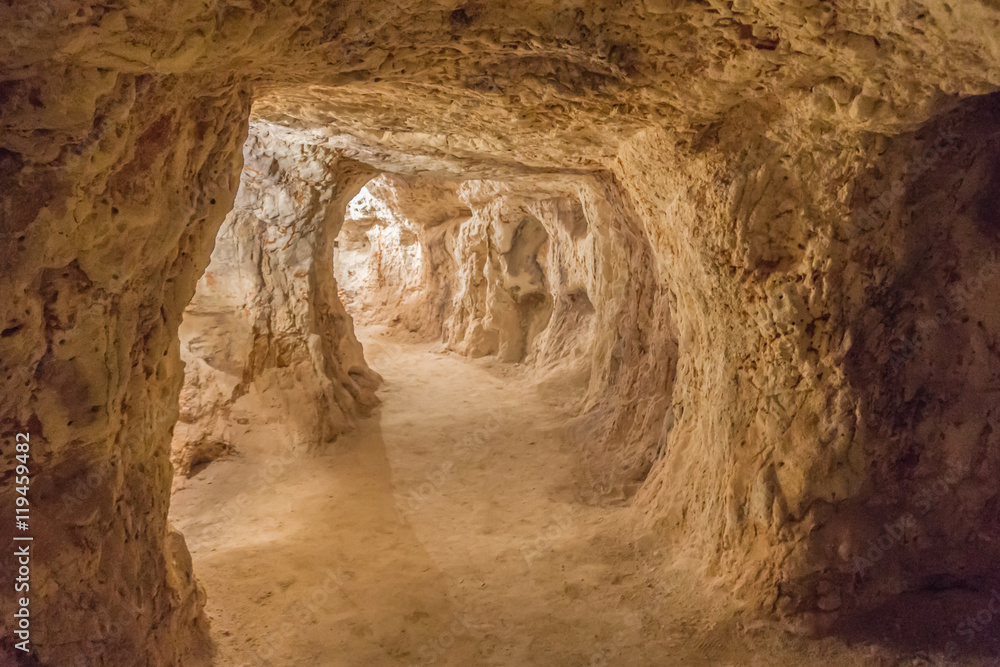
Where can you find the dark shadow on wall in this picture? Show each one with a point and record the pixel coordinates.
(926, 364)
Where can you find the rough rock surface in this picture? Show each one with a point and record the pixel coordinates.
(393, 263)
(812, 192)
(835, 426)
(106, 230)
(266, 318)
(552, 272)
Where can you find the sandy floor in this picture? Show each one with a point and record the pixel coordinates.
(448, 530)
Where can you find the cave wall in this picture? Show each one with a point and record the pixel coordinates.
(557, 272)
(807, 269)
(526, 267)
(109, 215)
(763, 425)
(266, 321)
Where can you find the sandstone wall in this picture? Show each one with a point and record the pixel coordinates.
(556, 272)
(109, 215)
(805, 276)
(266, 318)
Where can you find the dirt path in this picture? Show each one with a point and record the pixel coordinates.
(446, 531)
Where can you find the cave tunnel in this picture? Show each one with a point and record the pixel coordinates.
(662, 333)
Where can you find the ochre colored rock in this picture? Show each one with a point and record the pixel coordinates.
(790, 256)
(266, 318)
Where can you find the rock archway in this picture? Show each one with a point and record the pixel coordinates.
(266, 317)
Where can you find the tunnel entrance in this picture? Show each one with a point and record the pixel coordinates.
(460, 503)
(424, 373)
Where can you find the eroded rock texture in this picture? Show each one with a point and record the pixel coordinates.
(109, 217)
(828, 438)
(394, 262)
(800, 197)
(553, 272)
(266, 318)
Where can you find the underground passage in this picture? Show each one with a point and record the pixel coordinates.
(461, 333)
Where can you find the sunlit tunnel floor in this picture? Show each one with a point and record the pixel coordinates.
(450, 529)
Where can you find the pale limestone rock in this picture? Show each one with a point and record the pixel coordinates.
(266, 318)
